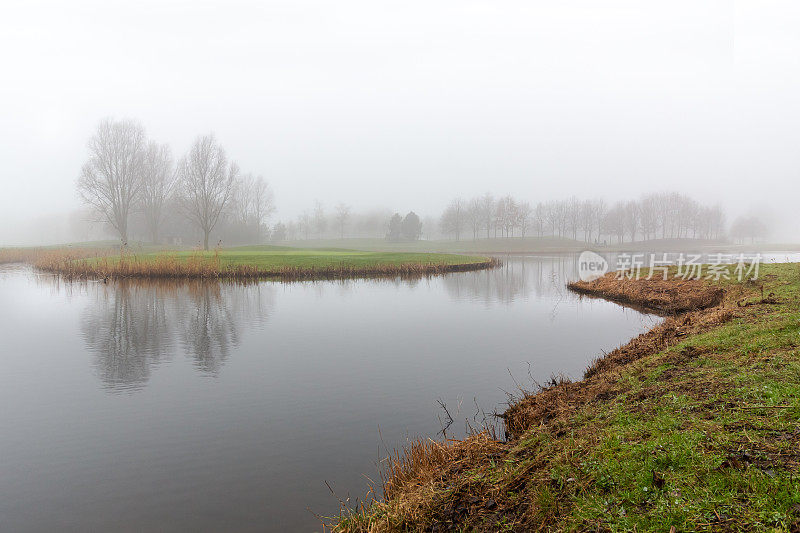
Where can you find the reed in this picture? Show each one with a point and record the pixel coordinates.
(666, 297)
(409, 480)
(33, 256)
(18, 255)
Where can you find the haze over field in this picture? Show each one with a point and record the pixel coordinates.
(408, 105)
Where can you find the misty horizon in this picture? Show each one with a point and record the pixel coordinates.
(390, 109)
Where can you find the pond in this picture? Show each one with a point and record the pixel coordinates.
(206, 407)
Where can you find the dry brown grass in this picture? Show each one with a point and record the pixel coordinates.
(34, 256)
(17, 255)
(411, 485)
(669, 296)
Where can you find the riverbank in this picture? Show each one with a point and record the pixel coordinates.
(255, 262)
(693, 425)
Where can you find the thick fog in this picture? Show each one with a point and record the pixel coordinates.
(405, 105)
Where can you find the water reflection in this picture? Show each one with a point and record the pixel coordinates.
(231, 436)
(132, 327)
(517, 278)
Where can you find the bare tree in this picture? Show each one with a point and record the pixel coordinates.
(453, 218)
(506, 215)
(263, 203)
(539, 218)
(554, 214)
(523, 217)
(572, 216)
(304, 224)
(111, 180)
(158, 183)
(342, 216)
(586, 216)
(613, 222)
(748, 227)
(252, 204)
(320, 222)
(206, 183)
(599, 210)
(649, 214)
(474, 216)
(631, 218)
(487, 211)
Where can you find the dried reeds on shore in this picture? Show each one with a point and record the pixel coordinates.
(410, 479)
(34, 256)
(667, 297)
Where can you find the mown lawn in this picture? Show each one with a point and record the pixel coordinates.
(276, 257)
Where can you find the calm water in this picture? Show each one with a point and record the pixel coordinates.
(206, 407)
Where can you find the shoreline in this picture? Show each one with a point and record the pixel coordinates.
(665, 431)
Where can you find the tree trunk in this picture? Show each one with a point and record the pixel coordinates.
(123, 230)
(205, 240)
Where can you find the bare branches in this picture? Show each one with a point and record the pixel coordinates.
(663, 215)
(252, 205)
(111, 179)
(158, 182)
(342, 216)
(206, 183)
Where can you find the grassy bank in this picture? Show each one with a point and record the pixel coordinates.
(259, 262)
(522, 245)
(694, 425)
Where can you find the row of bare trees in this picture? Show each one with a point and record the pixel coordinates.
(659, 215)
(126, 173)
(340, 222)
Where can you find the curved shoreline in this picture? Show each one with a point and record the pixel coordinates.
(563, 441)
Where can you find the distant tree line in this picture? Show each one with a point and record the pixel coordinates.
(748, 228)
(666, 215)
(136, 186)
(138, 189)
(654, 216)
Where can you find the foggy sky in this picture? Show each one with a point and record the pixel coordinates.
(406, 104)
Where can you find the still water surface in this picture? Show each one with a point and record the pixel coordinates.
(207, 407)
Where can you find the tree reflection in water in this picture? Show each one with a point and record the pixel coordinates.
(522, 277)
(132, 326)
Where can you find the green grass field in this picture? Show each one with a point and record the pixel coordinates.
(246, 262)
(276, 257)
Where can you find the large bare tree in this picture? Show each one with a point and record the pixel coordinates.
(158, 182)
(206, 183)
(111, 180)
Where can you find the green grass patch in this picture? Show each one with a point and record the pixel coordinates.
(278, 257)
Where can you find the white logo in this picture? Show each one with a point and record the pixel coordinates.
(591, 266)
